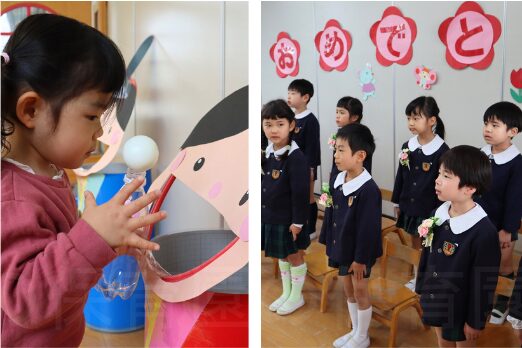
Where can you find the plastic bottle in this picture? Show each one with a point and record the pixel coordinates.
(120, 277)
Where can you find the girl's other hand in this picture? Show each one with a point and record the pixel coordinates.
(113, 220)
(295, 231)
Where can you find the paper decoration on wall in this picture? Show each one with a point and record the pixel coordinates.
(393, 36)
(114, 124)
(333, 44)
(366, 81)
(469, 37)
(285, 54)
(516, 81)
(213, 162)
(425, 76)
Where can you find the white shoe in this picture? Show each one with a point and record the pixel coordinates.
(341, 341)
(290, 307)
(277, 303)
(497, 317)
(354, 343)
(313, 235)
(411, 284)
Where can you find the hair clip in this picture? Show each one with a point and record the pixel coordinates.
(6, 57)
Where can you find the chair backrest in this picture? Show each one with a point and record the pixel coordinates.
(505, 286)
(386, 194)
(399, 251)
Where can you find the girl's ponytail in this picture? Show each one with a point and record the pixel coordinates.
(439, 127)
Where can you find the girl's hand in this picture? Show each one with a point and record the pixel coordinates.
(295, 231)
(504, 238)
(359, 270)
(471, 333)
(113, 220)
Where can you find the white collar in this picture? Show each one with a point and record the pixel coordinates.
(501, 157)
(270, 149)
(462, 222)
(427, 149)
(302, 114)
(25, 167)
(352, 185)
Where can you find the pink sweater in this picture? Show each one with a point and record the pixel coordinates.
(50, 260)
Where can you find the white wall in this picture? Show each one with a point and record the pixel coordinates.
(462, 95)
(199, 56)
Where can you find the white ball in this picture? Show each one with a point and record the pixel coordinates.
(140, 153)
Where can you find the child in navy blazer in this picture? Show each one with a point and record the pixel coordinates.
(458, 269)
(413, 192)
(306, 135)
(502, 203)
(284, 203)
(354, 241)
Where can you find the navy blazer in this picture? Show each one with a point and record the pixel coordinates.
(414, 188)
(458, 288)
(306, 135)
(285, 188)
(355, 233)
(503, 202)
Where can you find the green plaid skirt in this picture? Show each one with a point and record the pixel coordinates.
(409, 223)
(279, 242)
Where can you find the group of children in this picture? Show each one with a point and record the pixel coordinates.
(461, 206)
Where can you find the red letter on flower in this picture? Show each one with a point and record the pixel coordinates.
(469, 37)
(393, 37)
(333, 44)
(285, 54)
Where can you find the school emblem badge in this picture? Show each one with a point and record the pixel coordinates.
(449, 248)
(426, 166)
(275, 174)
(297, 129)
(350, 200)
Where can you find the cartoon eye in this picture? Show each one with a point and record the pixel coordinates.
(243, 199)
(199, 163)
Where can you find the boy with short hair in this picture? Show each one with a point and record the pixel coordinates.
(458, 269)
(354, 241)
(306, 135)
(502, 122)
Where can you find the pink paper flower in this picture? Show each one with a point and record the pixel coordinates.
(331, 141)
(404, 157)
(425, 231)
(326, 198)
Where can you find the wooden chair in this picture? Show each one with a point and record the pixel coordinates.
(505, 286)
(388, 224)
(319, 273)
(391, 296)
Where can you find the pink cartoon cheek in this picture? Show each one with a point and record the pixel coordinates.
(215, 190)
(243, 230)
(179, 158)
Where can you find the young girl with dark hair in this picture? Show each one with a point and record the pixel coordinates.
(414, 190)
(284, 202)
(58, 78)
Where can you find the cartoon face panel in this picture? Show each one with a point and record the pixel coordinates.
(218, 172)
(214, 164)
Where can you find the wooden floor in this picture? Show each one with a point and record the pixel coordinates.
(307, 327)
(94, 338)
